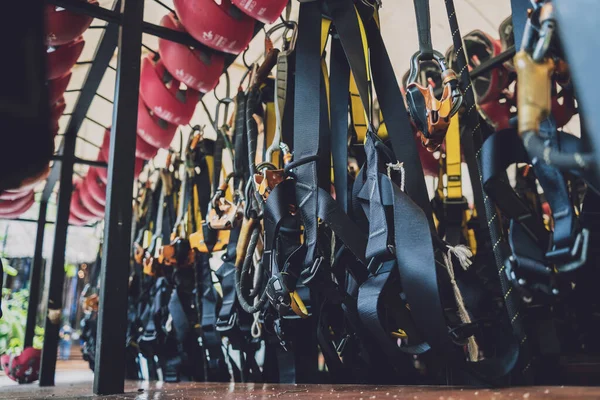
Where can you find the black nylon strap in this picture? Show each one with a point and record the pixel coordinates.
(241, 138)
(216, 368)
(346, 24)
(556, 191)
(307, 121)
(519, 19)
(226, 276)
(583, 61)
(390, 98)
(180, 320)
(472, 140)
(397, 122)
(499, 151)
(339, 81)
(218, 162)
(424, 28)
(368, 192)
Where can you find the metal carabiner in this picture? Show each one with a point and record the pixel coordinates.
(281, 79)
(288, 44)
(430, 114)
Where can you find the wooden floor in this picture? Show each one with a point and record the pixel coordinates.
(74, 381)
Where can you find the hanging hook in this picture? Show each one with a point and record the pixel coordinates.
(244, 58)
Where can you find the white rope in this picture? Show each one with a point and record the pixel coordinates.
(463, 254)
(398, 167)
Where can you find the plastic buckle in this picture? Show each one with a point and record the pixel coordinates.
(317, 276)
(455, 208)
(529, 279)
(309, 274)
(226, 325)
(279, 294)
(571, 258)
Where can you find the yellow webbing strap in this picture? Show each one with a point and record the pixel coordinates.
(359, 117)
(210, 164)
(453, 160)
(325, 25)
(198, 214)
(270, 126)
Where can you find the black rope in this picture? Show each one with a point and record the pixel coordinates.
(512, 302)
(165, 6)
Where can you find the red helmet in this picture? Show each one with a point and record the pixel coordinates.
(63, 58)
(163, 95)
(14, 194)
(63, 26)
(17, 213)
(103, 156)
(33, 180)
(56, 112)
(57, 109)
(198, 69)
(94, 185)
(143, 149)
(23, 368)
(10, 206)
(75, 220)
(266, 11)
(481, 47)
(221, 26)
(56, 87)
(155, 131)
(78, 209)
(497, 113)
(104, 149)
(89, 202)
(103, 172)
(25, 204)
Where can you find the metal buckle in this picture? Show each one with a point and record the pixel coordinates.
(430, 114)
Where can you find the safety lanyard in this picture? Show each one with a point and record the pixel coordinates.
(472, 139)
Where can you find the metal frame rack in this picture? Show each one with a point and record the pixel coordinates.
(123, 31)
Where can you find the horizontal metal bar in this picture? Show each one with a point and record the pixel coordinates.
(77, 160)
(115, 17)
(493, 62)
(104, 98)
(149, 49)
(164, 5)
(91, 163)
(88, 141)
(34, 221)
(96, 122)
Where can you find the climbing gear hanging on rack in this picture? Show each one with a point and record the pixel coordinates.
(430, 114)
(536, 70)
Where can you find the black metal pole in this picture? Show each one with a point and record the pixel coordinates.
(64, 170)
(57, 273)
(34, 278)
(109, 374)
